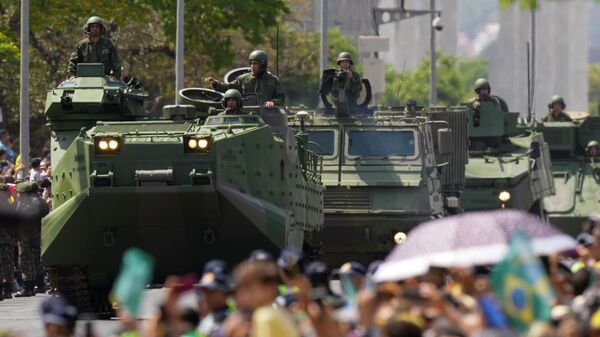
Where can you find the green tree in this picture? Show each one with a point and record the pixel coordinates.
(455, 78)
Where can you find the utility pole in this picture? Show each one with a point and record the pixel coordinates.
(24, 88)
(323, 55)
(532, 87)
(323, 64)
(433, 68)
(179, 51)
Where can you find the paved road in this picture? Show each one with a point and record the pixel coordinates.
(22, 314)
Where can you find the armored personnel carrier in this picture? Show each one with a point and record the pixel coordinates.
(186, 187)
(384, 172)
(576, 175)
(509, 164)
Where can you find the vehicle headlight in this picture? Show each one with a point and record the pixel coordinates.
(504, 196)
(203, 143)
(197, 144)
(107, 145)
(399, 238)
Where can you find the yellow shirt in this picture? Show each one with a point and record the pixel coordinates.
(272, 322)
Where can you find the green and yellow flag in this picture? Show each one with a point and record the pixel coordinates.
(136, 273)
(521, 285)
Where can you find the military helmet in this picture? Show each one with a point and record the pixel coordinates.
(344, 56)
(97, 20)
(260, 56)
(26, 187)
(482, 83)
(591, 144)
(557, 99)
(232, 93)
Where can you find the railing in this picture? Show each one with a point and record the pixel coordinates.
(312, 166)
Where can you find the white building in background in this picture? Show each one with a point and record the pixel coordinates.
(561, 56)
(562, 44)
(409, 39)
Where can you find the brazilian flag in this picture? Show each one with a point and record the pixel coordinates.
(521, 285)
(136, 273)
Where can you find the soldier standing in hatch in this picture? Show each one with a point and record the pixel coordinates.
(346, 83)
(31, 206)
(483, 90)
(556, 114)
(96, 49)
(232, 102)
(258, 81)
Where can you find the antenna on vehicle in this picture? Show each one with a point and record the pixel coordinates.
(529, 89)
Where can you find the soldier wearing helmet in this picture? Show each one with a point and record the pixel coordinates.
(346, 83)
(483, 90)
(96, 49)
(232, 102)
(556, 114)
(258, 81)
(593, 149)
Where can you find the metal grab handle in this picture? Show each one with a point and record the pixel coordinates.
(154, 175)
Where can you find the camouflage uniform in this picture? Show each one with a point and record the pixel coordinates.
(497, 100)
(228, 111)
(345, 90)
(7, 263)
(562, 117)
(103, 51)
(32, 208)
(265, 85)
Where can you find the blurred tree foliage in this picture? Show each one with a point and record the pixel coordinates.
(219, 35)
(455, 81)
(594, 90)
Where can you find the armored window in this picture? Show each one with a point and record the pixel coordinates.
(322, 142)
(371, 143)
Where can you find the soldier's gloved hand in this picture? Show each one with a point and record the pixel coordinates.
(476, 105)
(349, 74)
(210, 80)
(269, 104)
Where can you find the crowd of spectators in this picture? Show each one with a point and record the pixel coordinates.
(265, 296)
(11, 168)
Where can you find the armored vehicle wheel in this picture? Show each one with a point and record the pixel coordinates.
(235, 73)
(201, 98)
(72, 283)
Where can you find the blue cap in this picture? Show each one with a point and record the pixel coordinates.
(261, 255)
(215, 281)
(215, 266)
(352, 268)
(318, 273)
(56, 310)
(291, 260)
(585, 239)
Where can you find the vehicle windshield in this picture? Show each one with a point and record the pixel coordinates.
(325, 141)
(381, 143)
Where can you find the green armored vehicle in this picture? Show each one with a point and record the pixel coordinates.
(384, 172)
(509, 164)
(575, 170)
(185, 187)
